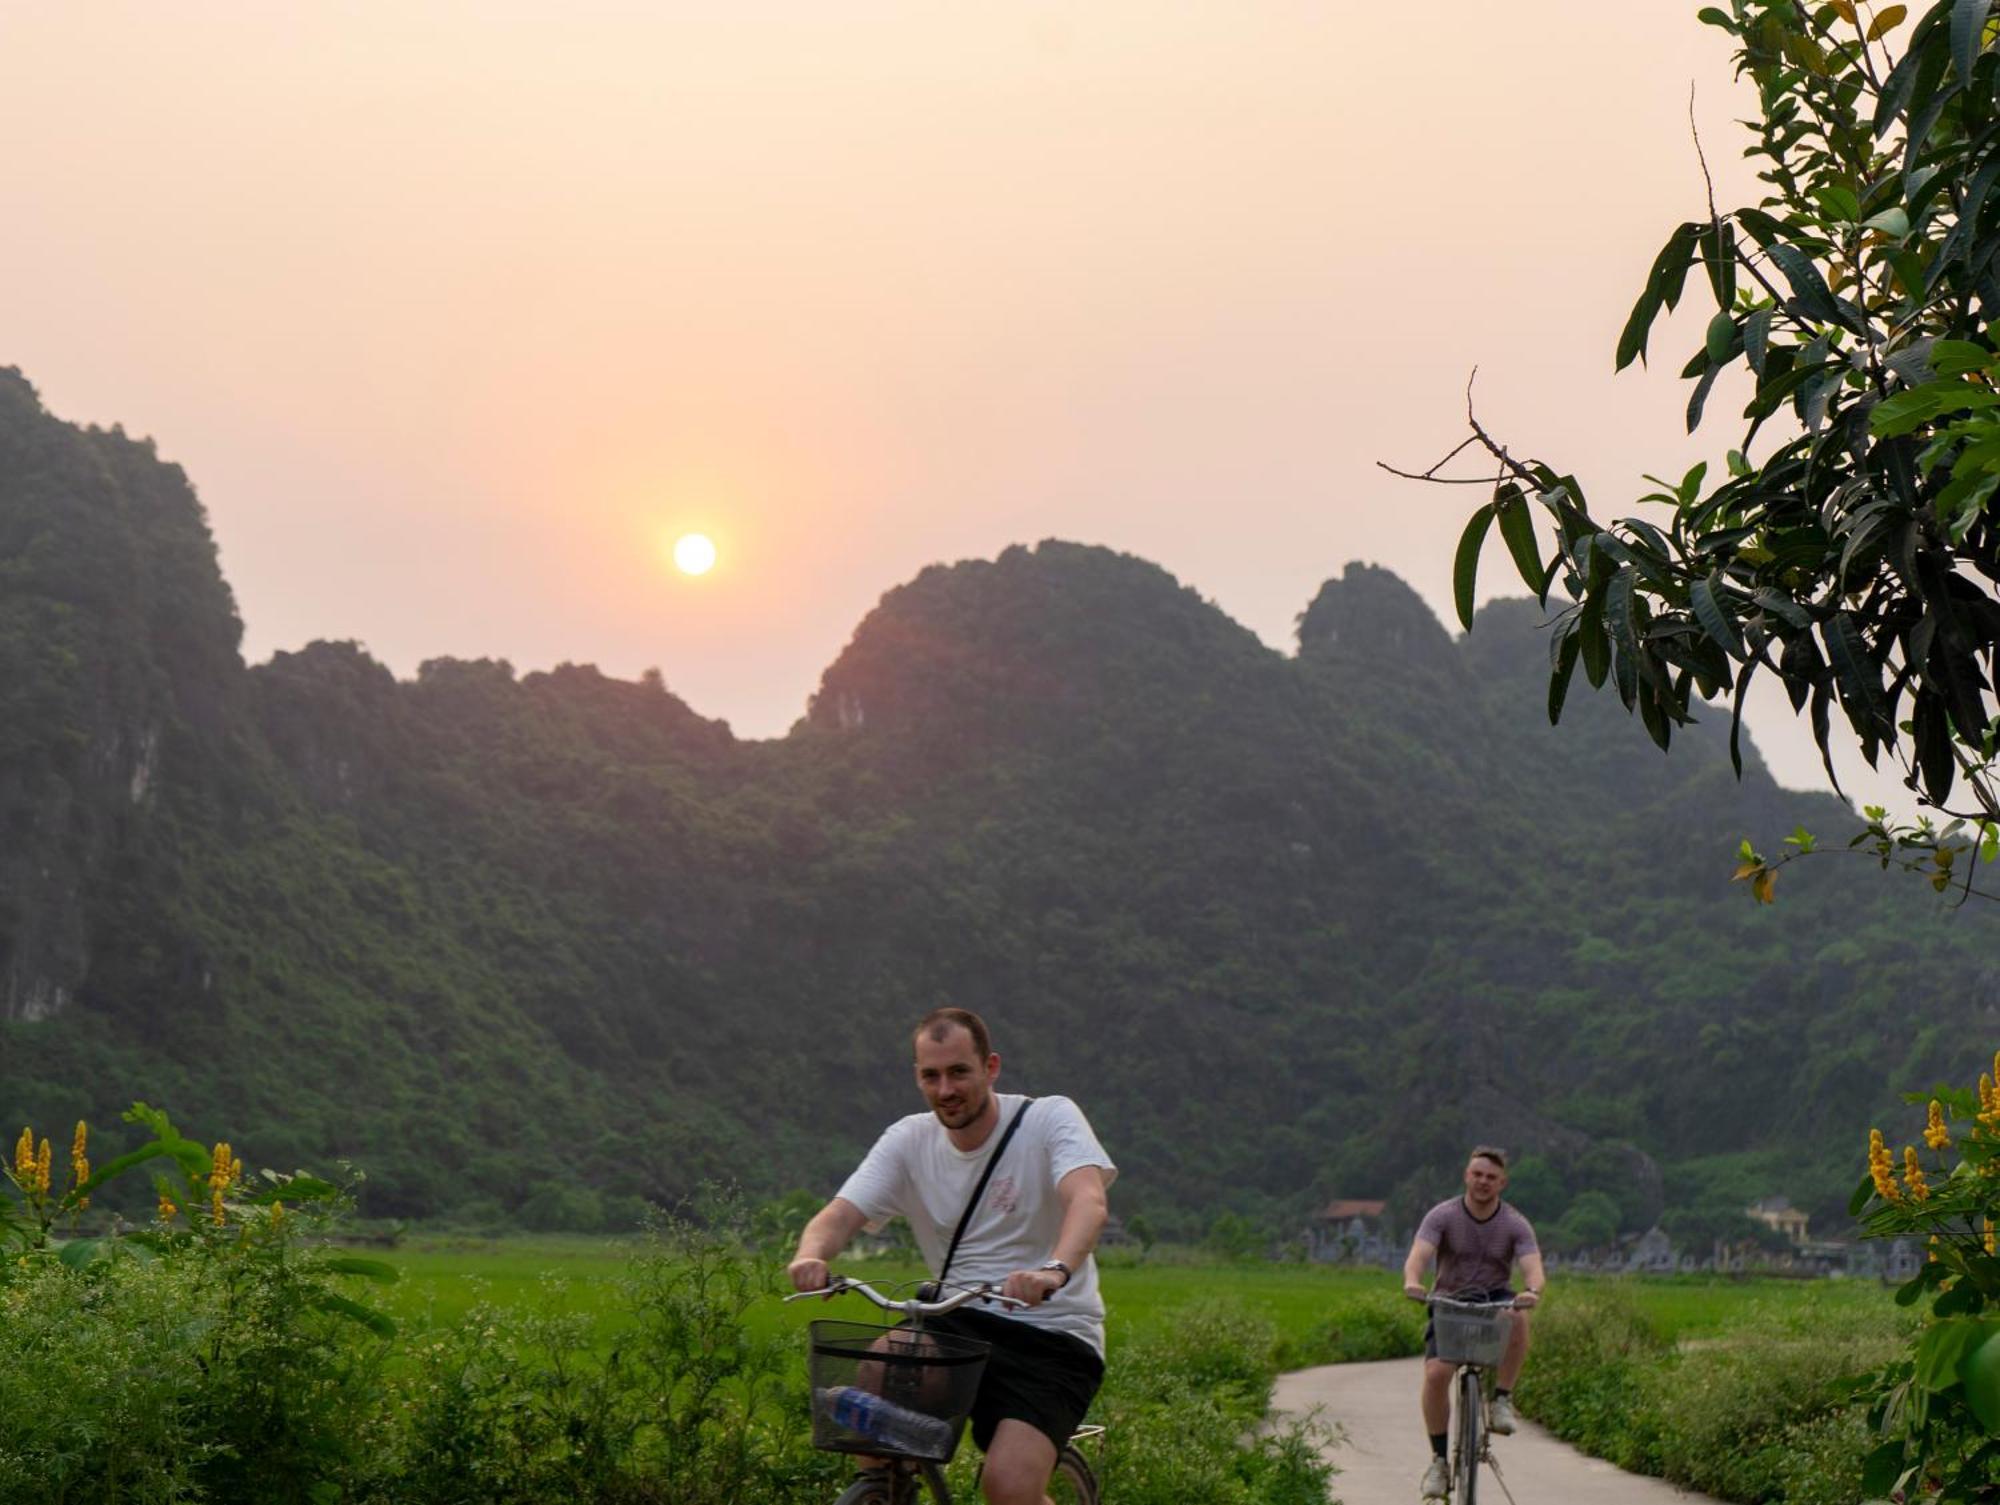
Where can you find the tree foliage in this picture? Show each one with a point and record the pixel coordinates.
(1856, 560)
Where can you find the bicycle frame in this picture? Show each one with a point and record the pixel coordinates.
(894, 1481)
(1471, 1442)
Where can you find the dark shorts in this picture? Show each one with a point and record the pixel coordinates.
(1495, 1297)
(1045, 1379)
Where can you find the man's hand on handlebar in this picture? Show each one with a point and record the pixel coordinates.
(807, 1274)
(1527, 1299)
(1033, 1286)
(1414, 1289)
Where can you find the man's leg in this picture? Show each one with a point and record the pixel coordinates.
(1018, 1464)
(1517, 1352)
(1437, 1396)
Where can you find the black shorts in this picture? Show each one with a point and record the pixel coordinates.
(1498, 1296)
(1044, 1378)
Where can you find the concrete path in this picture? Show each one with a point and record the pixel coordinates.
(1381, 1452)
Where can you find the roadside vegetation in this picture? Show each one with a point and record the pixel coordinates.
(1759, 1408)
(230, 1351)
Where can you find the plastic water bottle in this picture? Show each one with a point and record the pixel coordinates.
(883, 1421)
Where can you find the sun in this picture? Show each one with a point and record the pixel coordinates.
(694, 553)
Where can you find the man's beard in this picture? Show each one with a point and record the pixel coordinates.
(970, 1106)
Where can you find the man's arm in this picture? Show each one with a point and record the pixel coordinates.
(1422, 1254)
(1085, 1207)
(1532, 1279)
(824, 1237)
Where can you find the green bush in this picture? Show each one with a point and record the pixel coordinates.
(222, 1356)
(1763, 1413)
(1366, 1325)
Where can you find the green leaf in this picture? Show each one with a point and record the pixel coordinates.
(1968, 21)
(1596, 645)
(192, 1158)
(1809, 289)
(1708, 15)
(1662, 290)
(1957, 357)
(1565, 668)
(379, 1271)
(1517, 528)
(379, 1323)
(1700, 398)
(1979, 1371)
(1883, 1467)
(1838, 202)
(1757, 338)
(1943, 1346)
(1893, 222)
(1714, 620)
(1465, 568)
(1860, 680)
(81, 1253)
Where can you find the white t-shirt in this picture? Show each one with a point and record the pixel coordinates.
(916, 1171)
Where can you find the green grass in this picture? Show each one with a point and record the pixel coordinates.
(1323, 1314)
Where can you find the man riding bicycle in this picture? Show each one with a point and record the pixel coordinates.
(1031, 1234)
(1475, 1240)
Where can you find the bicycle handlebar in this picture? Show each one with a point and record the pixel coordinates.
(913, 1307)
(1452, 1303)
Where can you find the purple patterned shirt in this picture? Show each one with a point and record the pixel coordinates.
(1474, 1254)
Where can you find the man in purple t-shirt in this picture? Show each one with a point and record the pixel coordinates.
(1475, 1240)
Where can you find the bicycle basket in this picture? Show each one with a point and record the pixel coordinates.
(892, 1391)
(1470, 1334)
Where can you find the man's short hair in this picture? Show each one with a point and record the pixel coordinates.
(1491, 1152)
(939, 1023)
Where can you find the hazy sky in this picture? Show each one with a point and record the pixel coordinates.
(457, 314)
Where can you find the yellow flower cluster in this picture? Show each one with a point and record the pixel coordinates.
(1989, 1097)
(1936, 1135)
(1992, 1245)
(1881, 1166)
(226, 1170)
(167, 1208)
(32, 1165)
(1913, 1174)
(79, 1162)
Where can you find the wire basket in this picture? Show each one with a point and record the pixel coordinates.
(1469, 1333)
(897, 1392)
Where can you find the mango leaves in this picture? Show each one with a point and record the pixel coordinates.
(1855, 560)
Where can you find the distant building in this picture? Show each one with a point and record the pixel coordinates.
(1894, 1260)
(1653, 1253)
(1779, 1214)
(1352, 1231)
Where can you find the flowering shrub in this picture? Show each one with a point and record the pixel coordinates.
(1938, 1408)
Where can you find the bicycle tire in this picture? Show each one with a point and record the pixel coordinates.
(1471, 1409)
(866, 1492)
(897, 1488)
(1073, 1483)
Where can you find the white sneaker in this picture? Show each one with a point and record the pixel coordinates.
(1437, 1480)
(1501, 1417)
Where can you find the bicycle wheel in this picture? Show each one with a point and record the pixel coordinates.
(1470, 1419)
(1074, 1483)
(870, 1490)
(896, 1487)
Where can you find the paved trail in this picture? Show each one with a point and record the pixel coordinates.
(1382, 1451)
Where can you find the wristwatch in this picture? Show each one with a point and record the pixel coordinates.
(1056, 1264)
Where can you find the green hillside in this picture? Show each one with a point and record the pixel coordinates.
(1289, 926)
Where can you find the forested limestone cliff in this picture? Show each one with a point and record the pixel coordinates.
(1290, 926)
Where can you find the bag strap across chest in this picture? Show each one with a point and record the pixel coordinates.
(965, 1218)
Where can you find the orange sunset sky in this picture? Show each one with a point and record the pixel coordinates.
(458, 313)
